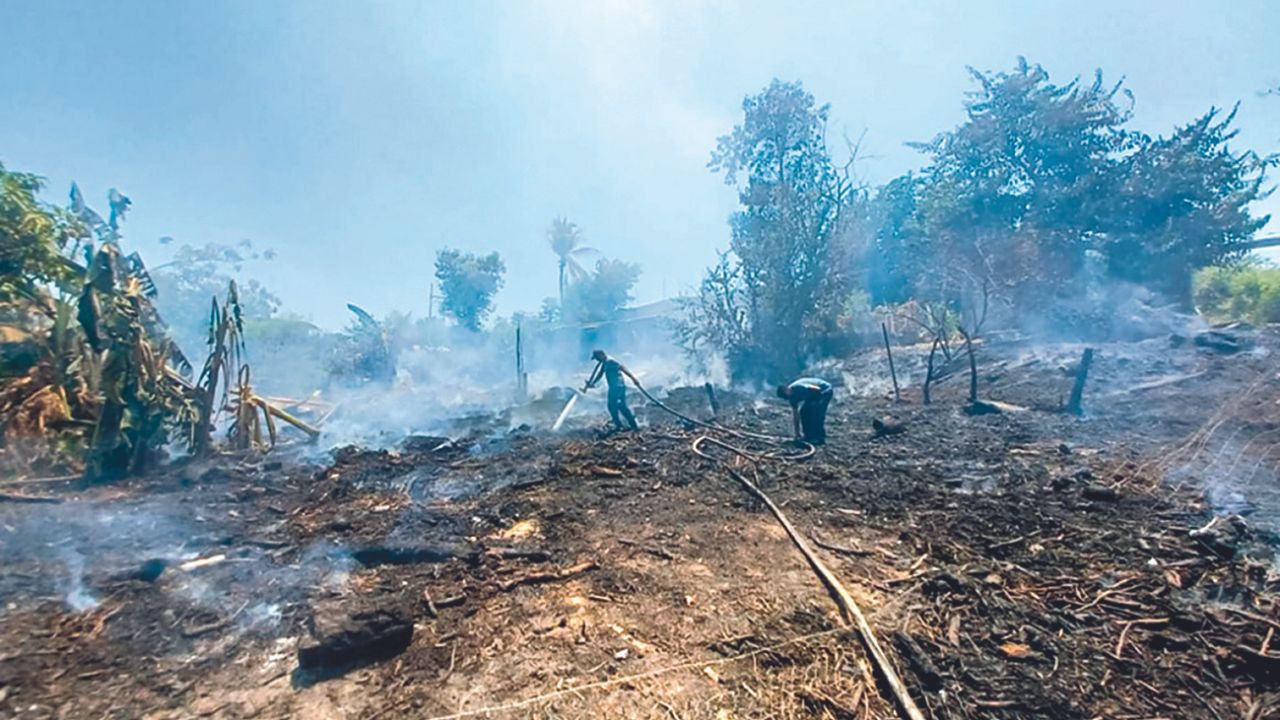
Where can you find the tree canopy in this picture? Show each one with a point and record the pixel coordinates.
(1038, 198)
(1181, 203)
(788, 268)
(565, 239)
(1040, 175)
(602, 292)
(196, 274)
(37, 237)
(468, 283)
(1011, 196)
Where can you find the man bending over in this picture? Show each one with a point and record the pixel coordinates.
(809, 399)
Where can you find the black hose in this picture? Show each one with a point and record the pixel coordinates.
(801, 453)
(806, 449)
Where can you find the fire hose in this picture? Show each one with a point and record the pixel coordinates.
(849, 609)
(805, 449)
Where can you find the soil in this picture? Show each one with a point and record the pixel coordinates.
(1024, 563)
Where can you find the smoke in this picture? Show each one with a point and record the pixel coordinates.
(89, 541)
(77, 551)
(461, 383)
(77, 596)
(1238, 471)
(1106, 310)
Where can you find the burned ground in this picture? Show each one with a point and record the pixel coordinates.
(1021, 564)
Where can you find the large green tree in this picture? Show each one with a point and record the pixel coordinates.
(1011, 197)
(602, 293)
(468, 282)
(36, 239)
(788, 270)
(1182, 203)
(1038, 176)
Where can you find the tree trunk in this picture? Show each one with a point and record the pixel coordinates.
(1182, 290)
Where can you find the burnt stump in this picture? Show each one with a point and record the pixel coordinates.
(345, 638)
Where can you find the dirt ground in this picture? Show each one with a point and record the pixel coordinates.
(1023, 564)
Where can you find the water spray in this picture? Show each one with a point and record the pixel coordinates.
(568, 407)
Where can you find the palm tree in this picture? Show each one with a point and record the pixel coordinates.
(565, 239)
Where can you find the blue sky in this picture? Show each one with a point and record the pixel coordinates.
(355, 139)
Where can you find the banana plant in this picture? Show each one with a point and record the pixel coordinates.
(142, 399)
(88, 371)
(251, 413)
(226, 344)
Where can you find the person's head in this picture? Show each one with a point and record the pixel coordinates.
(599, 356)
(784, 391)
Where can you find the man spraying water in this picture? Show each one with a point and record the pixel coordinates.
(612, 371)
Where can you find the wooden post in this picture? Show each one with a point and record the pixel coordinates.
(892, 373)
(1077, 391)
(522, 378)
(928, 376)
(973, 367)
(711, 398)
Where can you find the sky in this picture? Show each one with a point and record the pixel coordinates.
(357, 138)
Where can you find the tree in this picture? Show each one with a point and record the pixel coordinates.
(788, 271)
(1011, 196)
(565, 239)
(549, 312)
(603, 292)
(196, 274)
(362, 353)
(102, 375)
(1181, 204)
(37, 239)
(716, 319)
(468, 283)
(898, 253)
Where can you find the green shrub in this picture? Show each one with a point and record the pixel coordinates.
(1246, 292)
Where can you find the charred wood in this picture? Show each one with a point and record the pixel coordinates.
(342, 640)
(1074, 406)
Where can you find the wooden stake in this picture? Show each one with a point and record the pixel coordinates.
(892, 373)
(711, 398)
(928, 376)
(522, 378)
(1077, 391)
(973, 367)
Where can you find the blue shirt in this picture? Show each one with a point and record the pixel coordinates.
(807, 388)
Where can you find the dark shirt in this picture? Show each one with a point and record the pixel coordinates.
(613, 374)
(807, 389)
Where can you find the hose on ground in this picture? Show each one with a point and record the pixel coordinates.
(849, 610)
(791, 453)
(786, 450)
(807, 449)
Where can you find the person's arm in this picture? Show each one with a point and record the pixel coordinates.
(627, 372)
(595, 375)
(795, 417)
